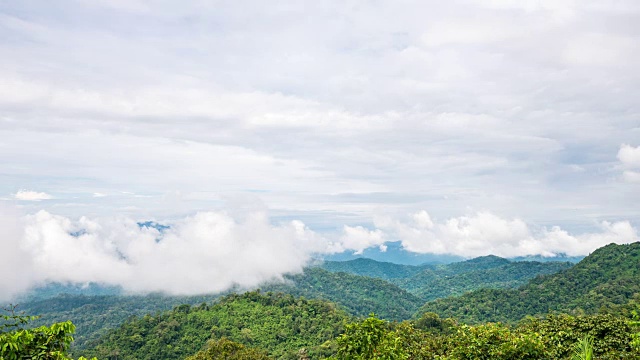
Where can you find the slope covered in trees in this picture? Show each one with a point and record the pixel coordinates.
(431, 285)
(95, 315)
(359, 295)
(430, 282)
(375, 269)
(607, 278)
(280, 324)
(276, 326)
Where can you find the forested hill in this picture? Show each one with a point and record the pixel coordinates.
(93, 316)
(360, 295)
(279, 323)
(431, 285)
(430, 282)
(609, 277)
(373, 268)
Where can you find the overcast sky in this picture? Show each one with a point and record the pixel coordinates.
(460, 127)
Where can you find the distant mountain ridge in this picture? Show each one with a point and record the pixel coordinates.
(394, 252)
(374, 268)
(430, 282)
(540, 258)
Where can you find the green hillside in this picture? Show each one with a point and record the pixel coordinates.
(607, 278)
(278, 323)
(373, 268)
(359, 295)
(94, 316)
(431, 285)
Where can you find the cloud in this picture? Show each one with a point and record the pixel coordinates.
(16, 268)
(629, 156)
(358, 238)
(484, 233)
(429, 105)
(28, 195)
(204, 253)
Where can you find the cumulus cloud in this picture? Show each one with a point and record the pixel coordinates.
(484, 233)
(204, 253)
(629, 156)
(28, 195)
(358, 238)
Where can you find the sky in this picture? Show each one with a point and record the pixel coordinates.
(271, 132)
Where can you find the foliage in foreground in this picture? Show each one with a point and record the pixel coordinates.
(44, 342)
(553, 338)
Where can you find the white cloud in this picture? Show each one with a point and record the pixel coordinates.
(487, 234)
(28, 195)
(423, 220)
(599, 50)
(205, 253)
(358, 238)
(629, 156)
(16, 272)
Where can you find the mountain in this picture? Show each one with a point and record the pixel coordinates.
(478, 263)
(431, 285)
(540, 258)
(394, 252)
(359, 295)
(279, 323)
(373, 268)
(607, 278)
(51, 290)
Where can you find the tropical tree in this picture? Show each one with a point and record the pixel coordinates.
(370, 339)
(40, 343)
